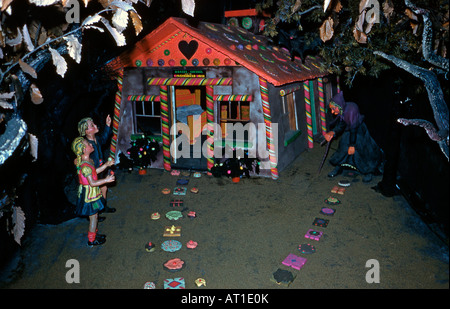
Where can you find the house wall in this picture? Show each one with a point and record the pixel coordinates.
(286, 154)
(135, 83)
(244, 82)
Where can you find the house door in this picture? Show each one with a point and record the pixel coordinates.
(189, 118)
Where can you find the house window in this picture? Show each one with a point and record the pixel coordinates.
(230, 113)
(289, 111)
(147, 117)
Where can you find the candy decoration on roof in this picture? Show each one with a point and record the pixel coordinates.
(247, 23)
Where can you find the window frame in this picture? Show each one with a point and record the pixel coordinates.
(145, 114)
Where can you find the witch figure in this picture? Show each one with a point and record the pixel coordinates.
(357, 150)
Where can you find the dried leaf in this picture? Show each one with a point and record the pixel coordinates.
(445, 26)
(326, 4)
(33, 146)
(411, 15)
(91, 20)
(120, 20)
(5, 4)
(296, 6)
(42, 36)
(95, 27)
(104, 3)
(15, 41)
(188, 7)
(5, 105)
(74, 47)
(388, 9)
(363, 4)
(27, 39)
(2, 39)
(118, 37)
(359, 36)
(358, 32)
(59, 62)
(414, 27)
(7, 95)
(122, 5)
(338, 7)
(27, 68)
(326, 30)
(18, 221)
(43, 2)
(362, 15)
(35, 93)
(33, 29)
(137, 23)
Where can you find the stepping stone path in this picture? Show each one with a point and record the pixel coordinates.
(296, 263)
(175, 212)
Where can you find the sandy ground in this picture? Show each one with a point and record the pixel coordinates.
(244, 231)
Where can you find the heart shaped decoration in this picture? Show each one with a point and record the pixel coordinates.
(188, 49)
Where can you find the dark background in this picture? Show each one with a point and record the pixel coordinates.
(418, 168)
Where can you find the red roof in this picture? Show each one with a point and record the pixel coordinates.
(176, 44)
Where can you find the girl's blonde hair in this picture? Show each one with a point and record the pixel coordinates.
(83, 125)
(78, 149)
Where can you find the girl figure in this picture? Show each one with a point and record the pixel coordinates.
(88, 129)
(357, 149)
(90, 200)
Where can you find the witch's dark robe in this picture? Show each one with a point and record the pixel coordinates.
(368, 155)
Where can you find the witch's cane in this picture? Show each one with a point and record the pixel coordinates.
(325, 155)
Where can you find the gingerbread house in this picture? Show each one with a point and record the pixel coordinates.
(200, 89)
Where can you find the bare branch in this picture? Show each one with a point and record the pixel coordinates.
(435, 96)
(427, 39)
(428, 126)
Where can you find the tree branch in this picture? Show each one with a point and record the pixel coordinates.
(427, 39)
(435, 96)
(428, 126)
